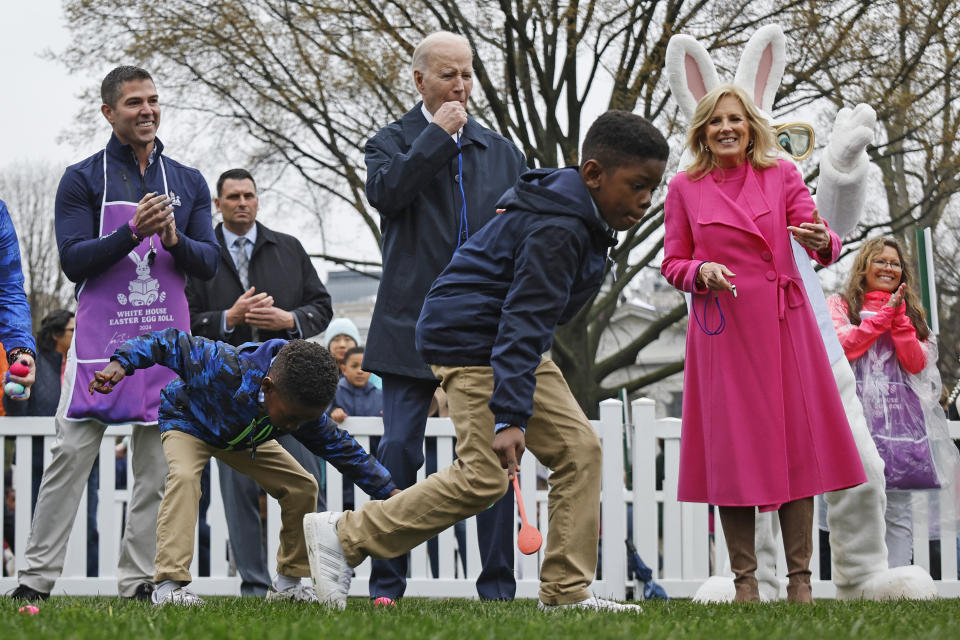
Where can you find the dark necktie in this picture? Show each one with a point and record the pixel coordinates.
(243, 262)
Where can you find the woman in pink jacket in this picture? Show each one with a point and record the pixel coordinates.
(763, 425)
(884, 334)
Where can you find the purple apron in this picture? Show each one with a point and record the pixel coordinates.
(142, 293)
(895, 417)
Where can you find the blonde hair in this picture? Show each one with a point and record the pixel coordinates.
(761, 153)
(856, 288)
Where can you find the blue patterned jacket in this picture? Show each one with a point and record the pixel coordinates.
(217, 399)
(14, 310)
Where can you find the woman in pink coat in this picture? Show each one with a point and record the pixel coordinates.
(763, 425)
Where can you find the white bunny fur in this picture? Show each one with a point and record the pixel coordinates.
(856, 515)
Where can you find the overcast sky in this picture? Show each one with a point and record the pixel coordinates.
(39, 97)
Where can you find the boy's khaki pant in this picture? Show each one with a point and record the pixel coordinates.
(273, 468)
(558, 434)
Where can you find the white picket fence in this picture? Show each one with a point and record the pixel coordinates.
(686, 544)
(680, 538)
(450, 583)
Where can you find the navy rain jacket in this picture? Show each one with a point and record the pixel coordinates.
(412, 180)
(502, 296)
(365, 401)
(217, 399)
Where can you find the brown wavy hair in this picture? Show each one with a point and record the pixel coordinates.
(855, 290)
(763, 154)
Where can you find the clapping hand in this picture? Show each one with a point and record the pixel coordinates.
(153, 215)
(897, 298)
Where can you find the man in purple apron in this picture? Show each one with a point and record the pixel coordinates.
(131, 223)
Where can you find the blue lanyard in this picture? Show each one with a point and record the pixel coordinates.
(706, 301)
(463, 233)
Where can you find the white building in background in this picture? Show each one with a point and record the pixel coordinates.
(646, 301)
(354, 294)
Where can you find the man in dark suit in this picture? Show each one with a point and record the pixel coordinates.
(434, 176)
(266, 288)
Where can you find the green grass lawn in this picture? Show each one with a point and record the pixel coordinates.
(66, 618)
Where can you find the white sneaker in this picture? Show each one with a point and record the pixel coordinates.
(180, 596)
(328, 565)
(593, 603)
(299, 593)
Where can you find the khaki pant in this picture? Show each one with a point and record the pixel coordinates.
(273, 468)
(558, 434)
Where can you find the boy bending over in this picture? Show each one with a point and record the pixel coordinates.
(231, 402)
(485, 324)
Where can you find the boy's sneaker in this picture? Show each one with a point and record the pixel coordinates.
(328, 565)
(23, 592)
(299, 593)
(180, 596)
(593, 603)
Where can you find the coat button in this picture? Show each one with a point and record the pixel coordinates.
(456, 178)
(770, 275)
(767, 256)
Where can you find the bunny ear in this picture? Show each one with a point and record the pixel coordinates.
(690, 72)
(762, 64)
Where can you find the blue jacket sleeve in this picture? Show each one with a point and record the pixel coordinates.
(194, 359)
(83, 253)
(395, 177)
(197, 252)
(15, 324)
(338, 447)
(545, 269)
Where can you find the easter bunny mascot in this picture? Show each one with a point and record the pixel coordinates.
(856, 515)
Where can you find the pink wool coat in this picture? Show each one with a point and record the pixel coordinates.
(763, 423)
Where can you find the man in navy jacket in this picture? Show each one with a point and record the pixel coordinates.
(434, 176)
(126, 205)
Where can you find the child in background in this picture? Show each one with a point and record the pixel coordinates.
(341, 335)
(356, 396)
(232, 402)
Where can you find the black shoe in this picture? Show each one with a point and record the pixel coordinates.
(26, 593)
(143, 592)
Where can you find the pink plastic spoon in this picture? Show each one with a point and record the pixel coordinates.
(528, 538)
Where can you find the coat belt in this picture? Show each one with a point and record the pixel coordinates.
(789, 292)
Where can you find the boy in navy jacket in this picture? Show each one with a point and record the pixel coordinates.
(232, 402)
(485, 324)
(356, 396)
